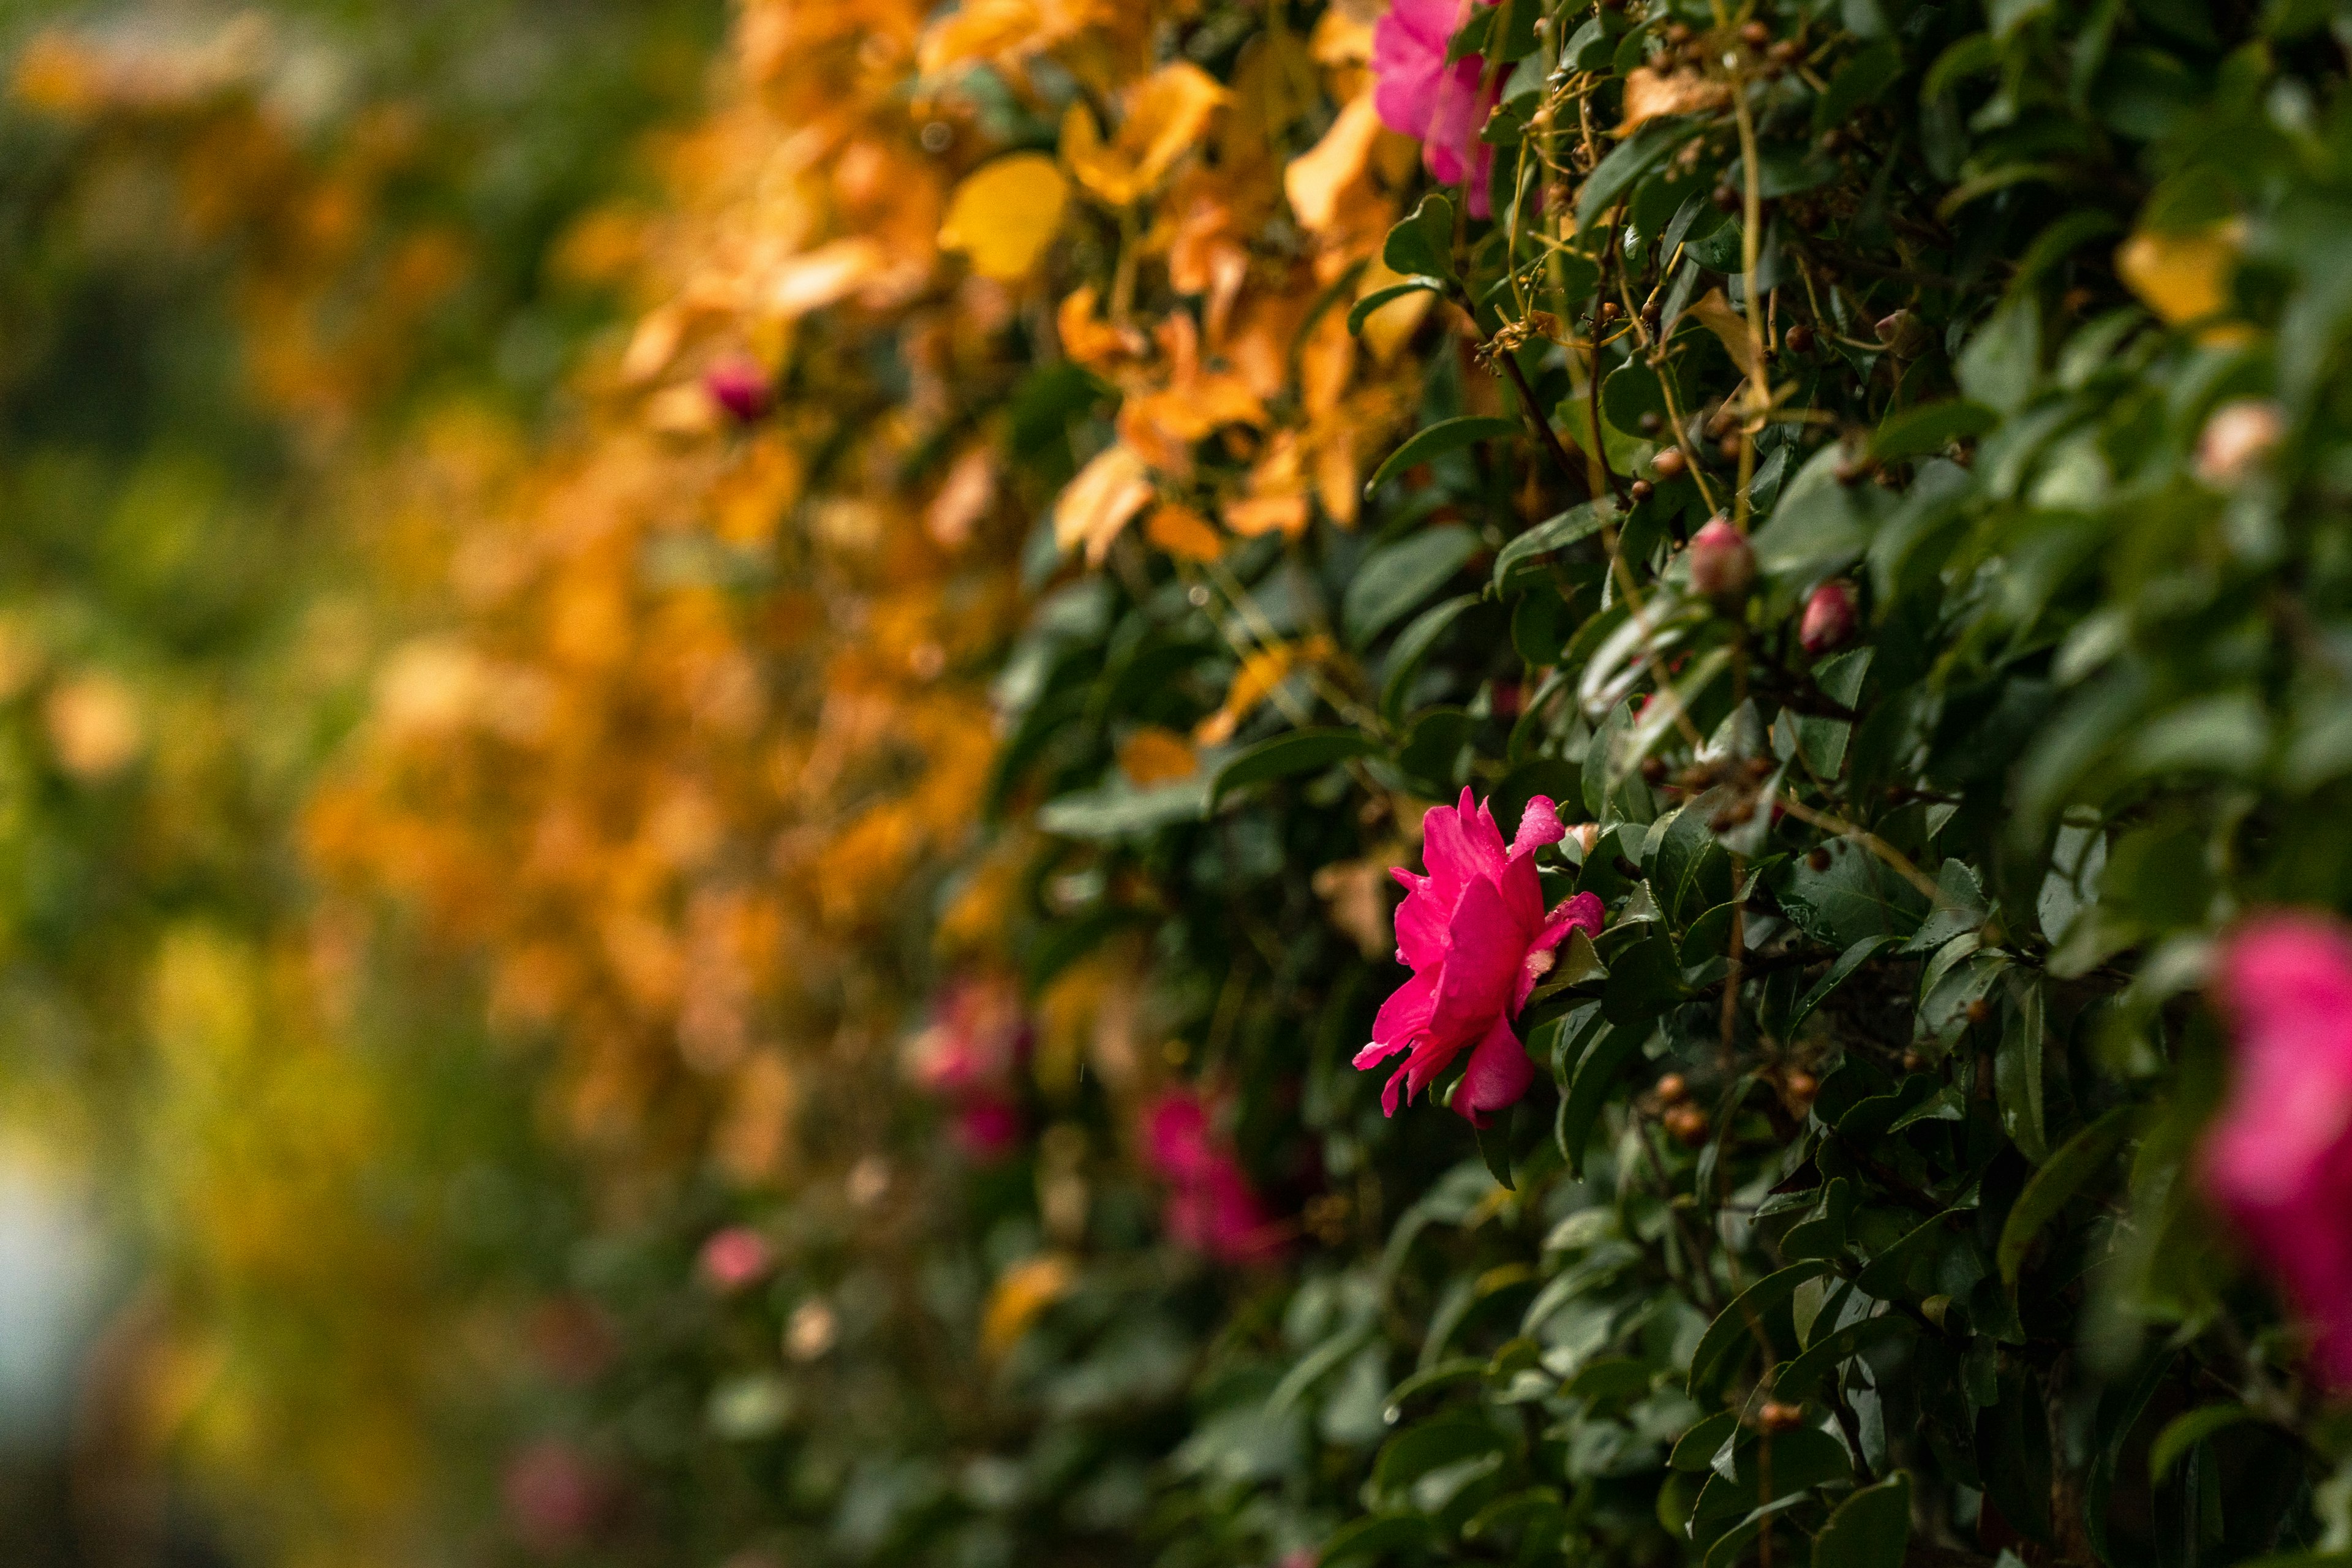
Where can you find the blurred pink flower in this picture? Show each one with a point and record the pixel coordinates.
(1210, 1206)
(734, 1257)
(555, 1499)
(988, 1127)
(739, 385)
(2279, 1157)
(1442, 106)
(1476, 935)
(975, 1043)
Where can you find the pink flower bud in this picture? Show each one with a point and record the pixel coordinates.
(738, 385)
(734, 1257)
(1721, 564)
(1828, 617)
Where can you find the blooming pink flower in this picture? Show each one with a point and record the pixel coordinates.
(1478, 939)
(2279, 1158)
(1211, 1206)
(1442, 106)
(734, 1257)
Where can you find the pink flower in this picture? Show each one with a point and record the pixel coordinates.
(739, 385)
(1478, 939)
(1828, 616)
(734, 1257)
(1442, 106)
(978, 1035)
(2279, 1158)
(987, 1126)
(1722, 563)
(1210, 1206)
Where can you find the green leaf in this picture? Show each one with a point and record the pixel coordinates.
(1931, 427)
(1628, 163)
(1578, 523)
(2079, 1158)
(1495, 1147)
(1438, 439)
(2017, 1075)
(1871, 1529)
(1422, 241)
(1362, 309)
(1851, 959)
(1412, 645)
(2185, 1431)
(1296, 752)
(1397, 578)
(1119, 810)
(1377, 1535)
(1596, 1075)
(1695, 1451)
(1855, 895)
(1744, 1317)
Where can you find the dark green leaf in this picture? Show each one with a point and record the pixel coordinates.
(2079, 1158)
(1871, 1529)
(1438, 439)
(1296, 752)
(1394, 580)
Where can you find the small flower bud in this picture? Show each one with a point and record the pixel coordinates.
(2237, 438)
(1777, 1417)
(1722, 565)
(1801, 338)
(1755, 35)
(1980, 1010)
(1669, 464)
(1828, 617)
(1673, 1090)
(740, 386)
(1904, 334)
(1818, 859)
(1642, 491)
(1801, 1086)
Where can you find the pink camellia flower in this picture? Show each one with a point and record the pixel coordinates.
(1442, 106)
(1211, 1206)
(977, 1038)
(734, 1257)
(1476, 935)
(2279, 1158)
(739, 385)
(1828, 616)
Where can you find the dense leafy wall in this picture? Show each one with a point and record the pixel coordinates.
(1812, 536)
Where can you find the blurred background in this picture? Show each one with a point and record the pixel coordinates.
(252, 1195)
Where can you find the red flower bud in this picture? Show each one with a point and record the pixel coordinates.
(1721, 564)
(1828, 617)
(740, 386)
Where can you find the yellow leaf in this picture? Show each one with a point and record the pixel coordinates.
(1165, 116)
(1650, 94)
(1260, 673)
(1024, 1290)
(1102, 500)
(1183, 532)
(1004, 213)
(1315, 179)
(2181, 277)
(1716, 314)
(1153, 755)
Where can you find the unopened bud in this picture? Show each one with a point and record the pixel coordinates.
(1669, 464)
(1828, 616)
(1587, 835)
(1722, 565)
(1673, 1090)
(1801, 1086)
(1688, 1125)
(2237, 438)
(1777, 1417)
(1904, 334)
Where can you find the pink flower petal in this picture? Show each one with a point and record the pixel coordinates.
(1498, 1074)
(1401, 1018)
(1482, 962)
(1538, 825)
